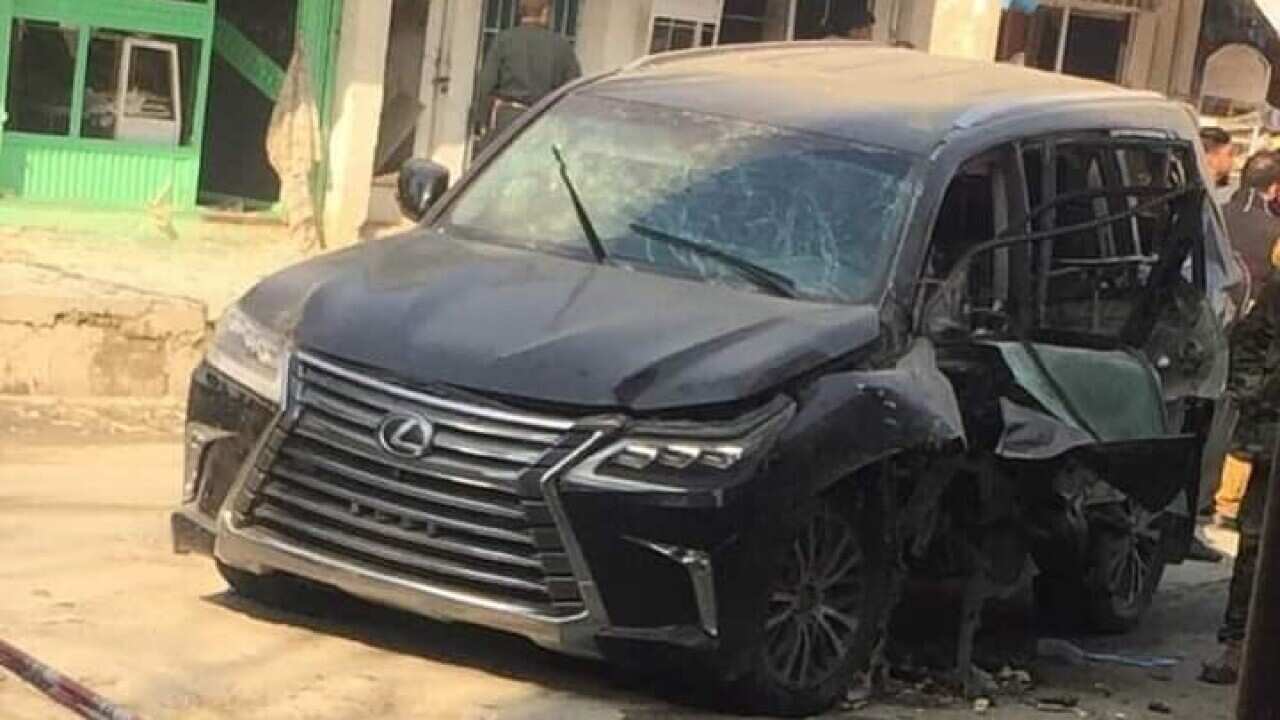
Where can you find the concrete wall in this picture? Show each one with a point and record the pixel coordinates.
(612, 34)
(959, 28)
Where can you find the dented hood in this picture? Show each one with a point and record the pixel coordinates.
(426, 308)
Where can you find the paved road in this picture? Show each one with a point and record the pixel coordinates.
(87, 584)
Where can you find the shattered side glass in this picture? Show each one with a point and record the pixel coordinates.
(822, 212)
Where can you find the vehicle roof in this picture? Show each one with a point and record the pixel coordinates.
(891, 97)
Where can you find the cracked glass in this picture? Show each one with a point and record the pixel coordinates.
(822, 212)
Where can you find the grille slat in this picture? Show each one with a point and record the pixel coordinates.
(341, 516)
(469, 440)
(392, 554)
(497, 533)
(467, 516)
(388, 484)
(331, 433)
(366, 401)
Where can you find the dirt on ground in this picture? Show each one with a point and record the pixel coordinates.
(91, 587)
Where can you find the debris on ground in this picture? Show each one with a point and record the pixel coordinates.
(1158, 707)
(1072, 654)
(1011, 677)
(981, 705)
(59, 688)
(1103, 689)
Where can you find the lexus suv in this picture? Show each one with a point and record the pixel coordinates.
(706, 358)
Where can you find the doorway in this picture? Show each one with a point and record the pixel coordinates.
(403, 104)
(235, 173)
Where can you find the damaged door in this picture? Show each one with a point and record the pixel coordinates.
(1081, 343)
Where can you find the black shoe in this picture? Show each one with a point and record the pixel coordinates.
(1202, 553)
(1224, 670)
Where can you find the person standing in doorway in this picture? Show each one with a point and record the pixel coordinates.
(524, 64)
(1220, 155)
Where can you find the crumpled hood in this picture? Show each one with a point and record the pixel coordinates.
(429, 309)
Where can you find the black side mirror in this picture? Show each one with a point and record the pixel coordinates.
(421, 184)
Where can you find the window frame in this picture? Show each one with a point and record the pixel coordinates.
(1041, 218)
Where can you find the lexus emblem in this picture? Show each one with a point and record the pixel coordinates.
(406, 435)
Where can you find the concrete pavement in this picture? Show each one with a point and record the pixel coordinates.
(90, 587)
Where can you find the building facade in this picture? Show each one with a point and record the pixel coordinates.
(396, 78)
(124, 104)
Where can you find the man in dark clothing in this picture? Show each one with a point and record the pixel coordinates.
(1254, 384)
(524, 64)
(1252, 228)
(1254, 387)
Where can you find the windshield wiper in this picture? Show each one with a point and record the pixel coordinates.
(593, 239)
(763, 277)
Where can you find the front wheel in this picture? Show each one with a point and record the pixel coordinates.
(826, 603)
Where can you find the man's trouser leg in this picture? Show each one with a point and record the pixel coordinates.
(1236, 619)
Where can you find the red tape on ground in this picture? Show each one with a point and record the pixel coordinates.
(62, 689)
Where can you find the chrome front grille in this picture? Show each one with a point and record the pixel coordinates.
(469, 516)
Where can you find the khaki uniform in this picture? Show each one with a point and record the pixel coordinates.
(1254, 383)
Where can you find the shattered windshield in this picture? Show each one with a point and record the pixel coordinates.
(818, 212)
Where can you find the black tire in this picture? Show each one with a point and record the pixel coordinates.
(1106, 591)
(827, 601)
(1126, 565)
(271, 589)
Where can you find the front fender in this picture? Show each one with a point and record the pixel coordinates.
(849, 420)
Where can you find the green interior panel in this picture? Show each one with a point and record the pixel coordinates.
(1115, 392)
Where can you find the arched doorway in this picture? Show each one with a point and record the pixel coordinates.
(1235, 81)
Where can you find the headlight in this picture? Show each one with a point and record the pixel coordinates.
(249, 353)
(673, 456)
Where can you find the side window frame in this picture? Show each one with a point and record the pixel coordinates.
(1008, 202)
(1104, 225)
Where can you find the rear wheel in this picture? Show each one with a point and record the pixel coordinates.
(1109, 588)
(824, 609)
(1126, 565)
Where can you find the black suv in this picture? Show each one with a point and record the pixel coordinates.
(707, 357)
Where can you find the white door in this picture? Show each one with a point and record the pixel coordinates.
(148, 105)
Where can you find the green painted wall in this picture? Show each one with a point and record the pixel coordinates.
(101, 173)
(113, 174)
(106, 173)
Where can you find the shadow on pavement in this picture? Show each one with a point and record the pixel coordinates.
(636, 695)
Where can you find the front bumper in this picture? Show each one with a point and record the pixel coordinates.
(668, 572)
(261, 553)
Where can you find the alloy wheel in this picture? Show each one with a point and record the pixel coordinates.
(815, 605)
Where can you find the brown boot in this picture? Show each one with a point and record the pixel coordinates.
(1225, 670)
